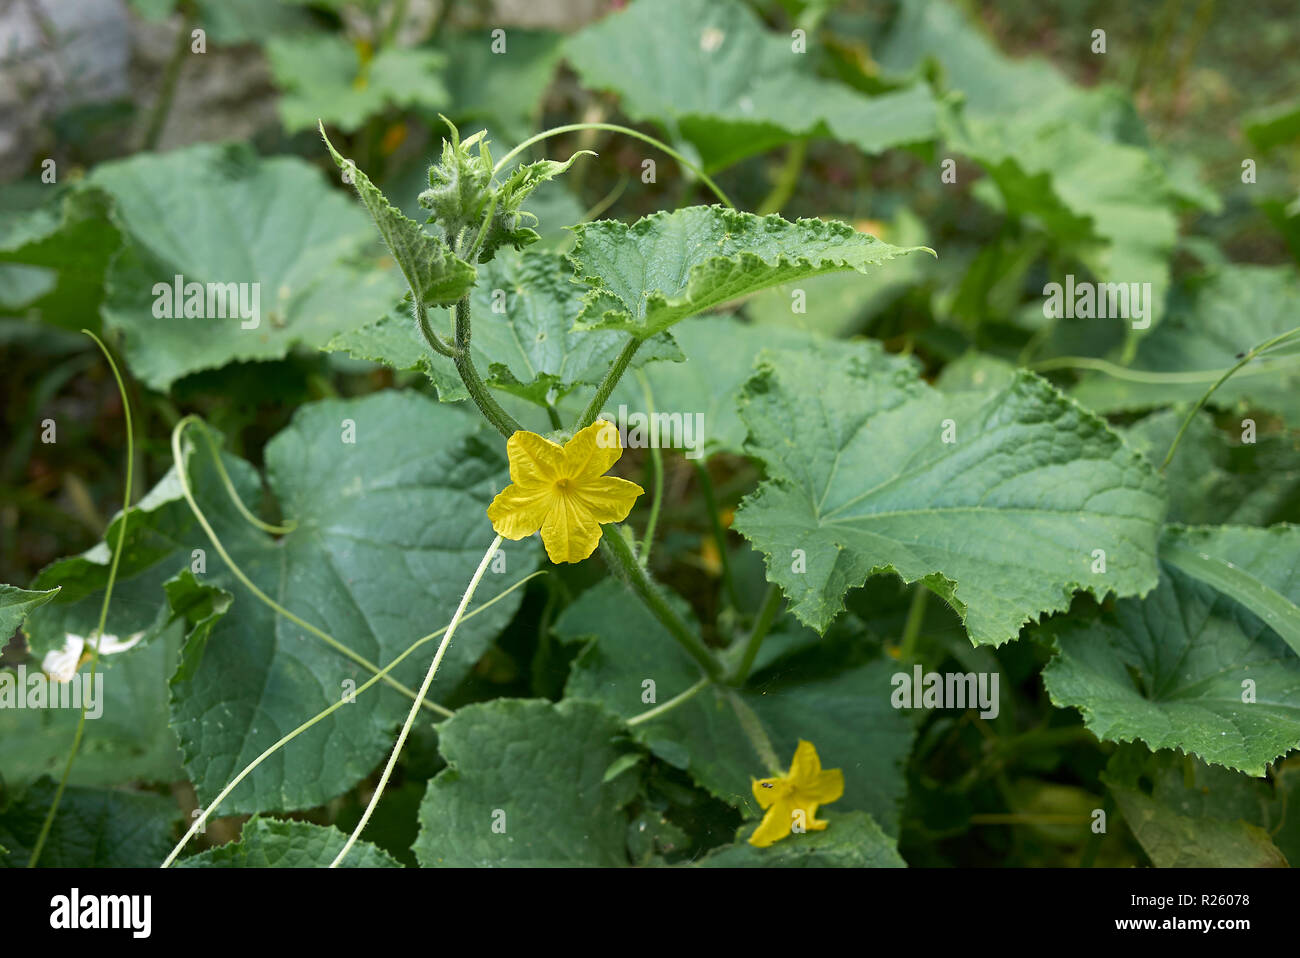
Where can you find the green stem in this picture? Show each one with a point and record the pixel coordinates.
(657, 468)
(410, 716)
(627, 131)
(618, 554)
(912, 626)
(501, 420)
(607, 384)
(766, 616)
(433, 339)
(1261, 348)
(719, 533)
(167, 91)
(788, 181)
(97, 636)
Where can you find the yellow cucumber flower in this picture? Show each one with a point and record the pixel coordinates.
(563, 490)
(795, 796)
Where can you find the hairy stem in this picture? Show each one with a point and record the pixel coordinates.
(607, 384)
(501, 420)
(618, 554)
(426, 331)
(657, 468)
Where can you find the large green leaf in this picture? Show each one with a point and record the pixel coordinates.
(1004, 522)
(94, 828)
(1214, 479)
(852, 840)
(720, 734)
(269, 843)
(708, 71)
(665, 267)
(524, 341)
(390, 528)
(323, 77)
(435, 275)
(720, 353)
(274, 223)
(1178, 670)
(1212, 321)
(1259, 568)
(526, 786)
(1189, 815)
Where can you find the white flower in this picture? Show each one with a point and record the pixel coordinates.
(61, 664)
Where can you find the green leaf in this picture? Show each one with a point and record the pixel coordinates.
(1213, 319)
(665, 267)
(851, 840)
(1172, 671)
(523, 343)
(720, 353)
(73, 236)
(1004, 522)
(268, 843)
(130, 740)
(1259, 568)
(322, 77)
(16, 604)
(434, 274)
(1189, 815)
(1214, 480)
(94, 828)
(525, 787)
(390, 528)
(1272, 126)
(274, 223)
(724, 733)
(709, 72)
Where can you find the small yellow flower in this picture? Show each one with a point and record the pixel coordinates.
(795, 796)
(563, 490)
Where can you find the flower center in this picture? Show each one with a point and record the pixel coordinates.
(562, 485)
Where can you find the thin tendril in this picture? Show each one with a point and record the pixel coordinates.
(97, 636)
(628, 131)
(181, 474)
(289, 525)
(410, 716)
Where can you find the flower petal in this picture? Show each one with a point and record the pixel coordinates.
(774, 826)
(534, 460)
(592, 451)
(806, 765)
(764, 790)
(827, 787)
(570, 532)
(607, 498)
(517, 512)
